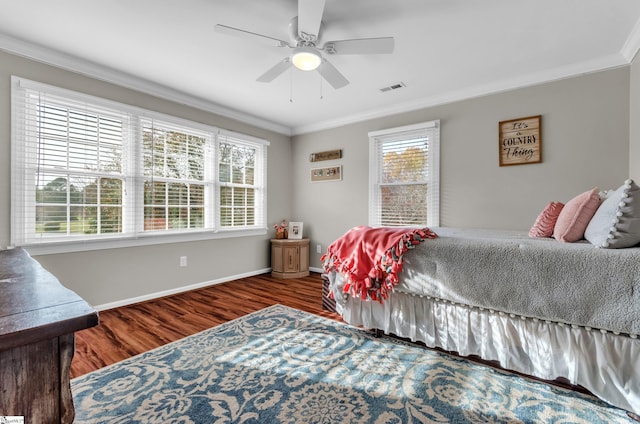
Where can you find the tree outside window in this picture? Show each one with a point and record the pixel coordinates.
(404, 176)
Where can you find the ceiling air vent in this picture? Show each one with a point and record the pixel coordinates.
(393, 87)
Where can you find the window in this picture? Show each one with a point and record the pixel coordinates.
(237, 182)
(177, 174)
(87, 169)
(404, 176)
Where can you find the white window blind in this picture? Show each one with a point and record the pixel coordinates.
(68, 174)
(84, 168)
(404, 176)
(178, 177)
(241, 182)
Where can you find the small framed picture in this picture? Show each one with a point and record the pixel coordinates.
(295, 230)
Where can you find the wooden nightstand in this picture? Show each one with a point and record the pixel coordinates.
(289, 258)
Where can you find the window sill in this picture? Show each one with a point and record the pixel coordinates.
(145, 240)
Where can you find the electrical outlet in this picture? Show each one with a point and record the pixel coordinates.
(183, 261)
(319, 248)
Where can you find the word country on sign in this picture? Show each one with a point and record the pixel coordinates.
(519, 141)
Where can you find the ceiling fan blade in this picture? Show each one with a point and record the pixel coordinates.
(309, 18)
(383, 45)
(332, 75)
(272, 73)
(224, 29)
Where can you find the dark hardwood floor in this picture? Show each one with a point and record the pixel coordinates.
(129, 330)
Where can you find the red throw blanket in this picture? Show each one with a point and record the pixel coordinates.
(372, 258)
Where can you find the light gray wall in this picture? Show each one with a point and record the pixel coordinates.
(114, 275)
(634, 121)
(585, 143)
(586, 128)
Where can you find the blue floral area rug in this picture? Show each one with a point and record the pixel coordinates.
(281, 365)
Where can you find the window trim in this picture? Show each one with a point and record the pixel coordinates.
(433, 164)
(19, 84)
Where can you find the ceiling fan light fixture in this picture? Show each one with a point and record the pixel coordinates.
(306, 58)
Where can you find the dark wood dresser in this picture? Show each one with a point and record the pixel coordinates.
(38, 318)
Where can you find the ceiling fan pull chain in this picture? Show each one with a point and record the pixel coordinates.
(321, 87)
(291, 85)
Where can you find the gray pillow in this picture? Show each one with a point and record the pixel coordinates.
(616, 223)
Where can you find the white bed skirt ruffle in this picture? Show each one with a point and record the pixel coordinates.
(606, 364)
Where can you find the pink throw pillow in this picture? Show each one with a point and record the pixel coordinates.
(546, 221)
(575, 216)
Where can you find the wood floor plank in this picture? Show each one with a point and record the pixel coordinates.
(130, 330)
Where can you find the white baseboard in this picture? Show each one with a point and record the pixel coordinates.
(156, 295)
(318, 270)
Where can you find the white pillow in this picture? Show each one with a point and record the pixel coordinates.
(616, 223)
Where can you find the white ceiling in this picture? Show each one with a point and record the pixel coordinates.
(445, 50)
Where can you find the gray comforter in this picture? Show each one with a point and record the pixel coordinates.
(574, 283)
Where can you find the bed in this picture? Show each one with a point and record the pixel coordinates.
(536, 306)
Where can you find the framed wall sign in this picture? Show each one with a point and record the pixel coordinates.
(328, 155)
(331, 173)
(519, 141)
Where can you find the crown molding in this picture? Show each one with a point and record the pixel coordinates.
(632, 44)
(78, 65)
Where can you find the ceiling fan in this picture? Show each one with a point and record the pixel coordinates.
(305, 33)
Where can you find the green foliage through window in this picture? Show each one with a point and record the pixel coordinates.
(404, 177)
(236, 171)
